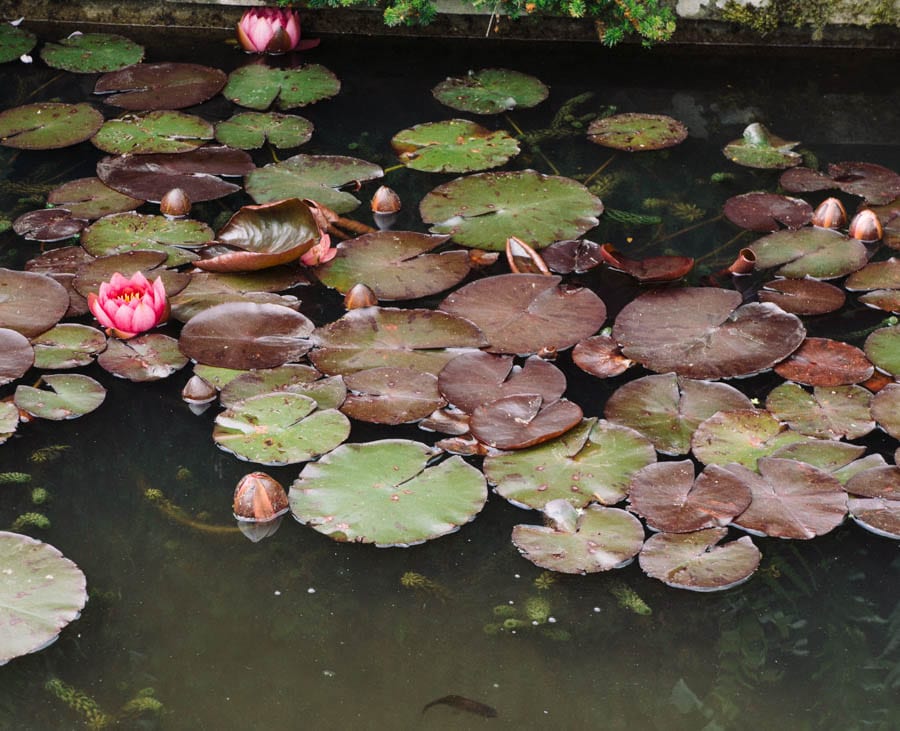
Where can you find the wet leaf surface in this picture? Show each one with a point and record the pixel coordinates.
(882, 348)
(30, 303)
(825, 362)
(875, 183)
(160, 131)
(150, 86)
(48, 225)
(16, 357)
(251, 130)
(91, 198)
(834, 412)
(767, 211)
(149, 357)
(600, 356)
(68, 345)
(819, 253)
(453, 146)
(124, 232)
(886, 409)
(258, 87)
(574, 255)
(88, 53)
(389, 395)
(759, 148)
(14, 42)
(69, 396)
(652, 269)
(48, 125)
(634, 132)
(490, 91)
(803, 296)
(741, 436)
(328, 393)
(523, 420)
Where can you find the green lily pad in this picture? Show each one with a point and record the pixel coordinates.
(833, 412)
(9, 416)
(16, 356)
(581, 541)
(741, 436)
(41, 591)
(667, 408)
(390, 395)
(820, 253)
(68, 345)
(89, 53)
(395, 265)
(485, 209)
(882, 347)
(15, 41)
(491, 91)
(72, 395)
(372, 337)
(91, 198)
(279, 428)
(841, 459)
(48, 125)
(693, 561)
(329, 393)
(31, 303)
(150, 357)
(257, 87)
(593, 462)
(886, 409)
(147, 86)
(250, 130)
(124, 232)
(453, 146)
(385, 492)
(317, 177)
(633, 132)
(217, 377)
(759, 148)
(160, 131)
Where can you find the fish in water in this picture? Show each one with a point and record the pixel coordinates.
(464, 704)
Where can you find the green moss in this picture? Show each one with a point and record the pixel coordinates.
(815, 13)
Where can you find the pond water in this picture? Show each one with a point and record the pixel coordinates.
(298, 631)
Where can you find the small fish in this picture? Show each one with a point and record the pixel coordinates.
(462, 703)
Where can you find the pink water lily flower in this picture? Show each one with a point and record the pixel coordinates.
(271, 30)
(126, 307)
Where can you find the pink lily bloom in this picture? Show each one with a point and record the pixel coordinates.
(127, 307)
(320, 253)
(271, 30)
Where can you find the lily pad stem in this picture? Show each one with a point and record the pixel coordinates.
(392, 168)
(685, 230)
(589, 178)
(728, 244)
(519, 132)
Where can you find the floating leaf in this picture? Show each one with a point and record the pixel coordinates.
(149, 357)
(72, 395)
(257, 86)
(591, 540)
(491, 91)
(250, 130)
(485, 209)
(875, 500)
(391, 395)
(279, 428)
(160, 131)
(693, 560)
(149, 86)
(666, 268)
(385, 493)
(89, 53)
(767, 211)
(877, 184)
(328, 393)
(16, 357)
(803, 296)
(125, 232)
(834, 412)
(575, 255)
(839, 458)
(30, 303)
(824, 362)
(91, 198)
(15, 41)
(886, 409)
(741, 436)
(820, 253)
(600, 356)
(759, 148)
(67, 345)
(48, 125)
(453, 146)
(41, 591)
(208, 289)
(9, 413)
(48, 225)
(634, 132)
(882, 347)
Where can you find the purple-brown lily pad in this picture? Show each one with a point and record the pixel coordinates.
(883, 482)
(206, 289)
(523, 313)
(30, 303)
(833, 412)
(767, 211)
(824, 362)
(803, 296)
(16, 355)
(742, 436)
(91, 198)
(150, 263)
(876, 275)
(48, 125)
(9, 412)
(875, 500)
(600, 356)
(150, 86)
(693, 561)
(875, 183)
(150, 177)
(243, 335)
(886, 409)
(48, 225)
(523, 420)
(705, 333)
(666, 268)
(389, 395)
(573, 255)
(149, 357)
(634, 132)
(820, 253)
(670, 499)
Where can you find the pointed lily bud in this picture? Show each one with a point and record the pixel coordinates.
(830, 214)
(175, 204)
(385, 200)
(866, 227)
(359, 296)
(259, 498)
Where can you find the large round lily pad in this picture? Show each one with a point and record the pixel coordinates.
(68, 345)
(523, 420)
(485, 209)
(250, 130)
(581, 541)
(741, 436)
(91, 198)
(523, 313)
(279, 428)
(820, 253)
(453, 146)
(390, 395)
(767, 211)
(149, 357)
(693, 560)
(15, 41)
(149, 86)
(124, 232)
(877, 184)
(30, 303)
(72, 395)
(385, 492)
(257, 86)
(705, 333)
(246, 335)
(160, 131)
(633, 132)
(48, 125)
(89, 53)
(759, 148)
(41, 591)
(16, 355)
(834, 412)
(395, 265)
(593, 462)
(491, 91)
(824, 362)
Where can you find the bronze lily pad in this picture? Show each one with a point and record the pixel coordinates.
(523, 420)
(824, 362)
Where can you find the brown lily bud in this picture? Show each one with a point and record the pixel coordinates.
(866, 227)
(359, 296)
(259, 498)
(175, 204)
(385, 200)
(830, 214)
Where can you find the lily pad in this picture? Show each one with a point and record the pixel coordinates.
(741, 436)
(824, 362)
(48, 125)
(208, 289)
(593, 462)
(767, 211)
(886, 409)
(574, 255)
(634, 132)
(876, 515)
(16, 357)
(245, 335)
(391, 395)
(91, 198)
(395, 265)
(316, 177)
(30, 303)
(600, 356)
(485, 209)
(89, 53)
(250, 130)
(160, 131)
(385, 492)
(666, 268)
(257, 86)
(820, 253)
(279, 428)
(72, 395)
(877, 184)
(41, 591)
(68, 345)
(582, 541)
(328, 393)
(759, 148)
(667, 409)
(372, 337)
(125, 232)
(453, 146)
(15, 41)
(841, 459)
(803, 296)
(882, 347)
(523, 420)
(9, 413)
(836, 412)
(523, 313)
(48, 225)
(705, 333)
(150, 357)
(693, 561)
(149, 86)
(491, 91)
(93, 273)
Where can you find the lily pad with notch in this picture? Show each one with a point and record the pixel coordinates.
(483, 210)
(825, 362)
(388, 493)
(390, 395)
(328, 392)
(30, 303)
(48, 225)
(125, 232)
(886, 409)
(491, 91)
(877, 184)
(91, 198)
(15, 42)
(759, 211)
(16, 357)
(453, 146)
(742, 436)
(759, 148)
(148, 357)
(48, 125)
(574, 255)
(70, 396)
(68, 345)
(154, 132)
(92, 274)
(835, 412)
(90, 53)
(257, 86)
(819, 253)
(803, 296)
(279, 428)
(600, 356)
(634, 131)
(841, 459)
(882, 348)
(874, 502)
(150, 86)
(523, 420)
(580, 541)
(207, 289)
(251, 130)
